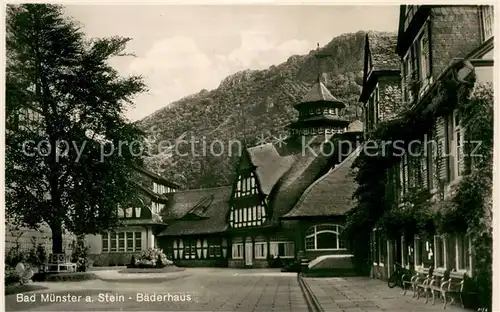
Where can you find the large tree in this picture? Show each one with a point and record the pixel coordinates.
(60, 168)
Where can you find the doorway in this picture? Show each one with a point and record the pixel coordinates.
(248, 252)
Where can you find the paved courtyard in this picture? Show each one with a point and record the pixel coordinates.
(212, 289)
(201, 290)
(352, 294)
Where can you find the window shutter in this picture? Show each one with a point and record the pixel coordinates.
(424, 171)
(410, 171)
(426, 68)
(406, 172)
(441, 158)
(414, 62)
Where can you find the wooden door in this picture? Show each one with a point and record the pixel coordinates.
(248, 253)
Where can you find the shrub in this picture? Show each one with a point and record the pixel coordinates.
(37, 255)
(64, 277)
(80, 254)
(14, 256)
(151, 258)
(11, 276)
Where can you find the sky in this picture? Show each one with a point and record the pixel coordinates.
(180, 50)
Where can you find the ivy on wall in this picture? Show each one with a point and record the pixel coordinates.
(468, 211)
(473, 203)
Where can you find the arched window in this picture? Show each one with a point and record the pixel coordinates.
(324, 237)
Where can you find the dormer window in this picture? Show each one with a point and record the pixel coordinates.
(121, 213)
(128, 212)
(487, 21)
(156, 207)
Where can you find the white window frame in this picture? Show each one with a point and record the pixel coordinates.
(274, 248)
(122, 239)
(105, 237)
(407, 92)
(315, 233)
(260, 251)
(457, 145)
(440, 252)
(237, 251)
(463, 241)
(108, 237)
(419, 252)
(425, 80)
(487, 21)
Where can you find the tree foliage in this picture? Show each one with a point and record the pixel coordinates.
(60, 168)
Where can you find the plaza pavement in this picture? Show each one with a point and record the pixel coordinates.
(216, 289)
(210, 290)
(355, 294)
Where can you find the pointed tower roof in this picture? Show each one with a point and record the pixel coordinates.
(319, 92)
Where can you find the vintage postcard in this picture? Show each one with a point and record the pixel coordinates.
(255, 157)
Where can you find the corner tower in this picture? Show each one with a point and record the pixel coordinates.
(319, 111)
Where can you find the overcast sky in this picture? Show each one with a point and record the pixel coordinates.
(183, 49)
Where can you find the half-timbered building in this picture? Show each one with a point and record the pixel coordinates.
(139, 225)
(196, 227)
(283, 202)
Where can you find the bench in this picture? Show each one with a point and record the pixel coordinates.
(439, 277)
(417, 278)
(407, 279)
(422, 282)
(452, 287)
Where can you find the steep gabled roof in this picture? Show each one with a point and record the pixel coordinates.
(270, 165)
(311, 163)
(157, 197)
(331, 195)
(157, 177)
(213, 216)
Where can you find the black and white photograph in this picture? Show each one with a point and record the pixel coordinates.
(249, 157)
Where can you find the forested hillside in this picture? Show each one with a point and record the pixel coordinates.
(248, 104)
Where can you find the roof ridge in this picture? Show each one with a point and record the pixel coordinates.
(310, 187)
(155, 175)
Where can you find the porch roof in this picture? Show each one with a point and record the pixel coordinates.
(331, 195)
(201, 211)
